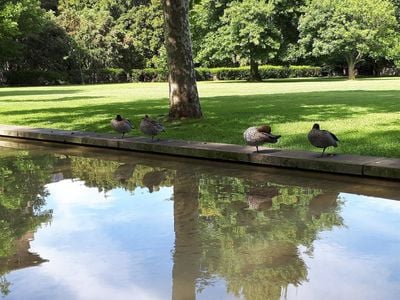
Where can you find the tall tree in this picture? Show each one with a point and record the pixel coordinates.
(248, 34)
(352, 29)
(17, 20)
(183, 95)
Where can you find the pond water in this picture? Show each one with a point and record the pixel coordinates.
(84, 223)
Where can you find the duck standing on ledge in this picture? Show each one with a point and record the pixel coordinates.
(256, 136)
(151, 127)
(121, 125)
(322, 138)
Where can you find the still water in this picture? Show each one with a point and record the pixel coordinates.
(83, 223)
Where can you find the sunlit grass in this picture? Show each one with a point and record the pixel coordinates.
(365, 114)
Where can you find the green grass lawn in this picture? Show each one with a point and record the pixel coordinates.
(364, 114)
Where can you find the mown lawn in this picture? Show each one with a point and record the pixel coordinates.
(365, 114)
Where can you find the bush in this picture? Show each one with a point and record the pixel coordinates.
(203, 74)
(305, 71)
(239, 73)
(35, 77)
(114, 75)
(266, 72)
(149, 75)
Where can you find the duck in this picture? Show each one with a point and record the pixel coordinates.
(151, 127)
(322, 138)
(121, 125)
(256, 136)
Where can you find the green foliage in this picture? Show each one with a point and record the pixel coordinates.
(149, 75)
(22, 195)
(110, 34)
(35, 77)
(247, 33)
(352, 29)
(203, 74)
(266, 72)
(255, 250)
(17, 20)
(108, 175)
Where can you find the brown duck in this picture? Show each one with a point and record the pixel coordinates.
(256, 136)
(322, 138)
(151, 127)
(121, 125)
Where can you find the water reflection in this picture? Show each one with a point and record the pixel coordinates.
(22, 197)
(156, 228)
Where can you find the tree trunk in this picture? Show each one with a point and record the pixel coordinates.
(351, 68)
(352, 60)
(254, 74)
(183, 96)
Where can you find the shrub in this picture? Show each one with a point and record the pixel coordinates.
(266, 72)
(35, 77)
(230, 73)
(112, 75)
(203, 74)
(149, 75)
(239, 73)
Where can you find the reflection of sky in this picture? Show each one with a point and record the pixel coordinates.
(114, 245)
(360, 260)
(118, 245)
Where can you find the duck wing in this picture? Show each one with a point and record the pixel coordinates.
(331, 134)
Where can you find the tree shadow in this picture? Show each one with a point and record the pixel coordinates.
(34, 92)
(62, 99)
(226, 117)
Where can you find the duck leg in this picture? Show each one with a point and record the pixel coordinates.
(257, 149)
(323, 151)
(122, 135)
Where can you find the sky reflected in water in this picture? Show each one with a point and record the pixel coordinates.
(106, 225)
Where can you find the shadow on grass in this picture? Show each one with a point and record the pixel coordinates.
(226, 117)
(62, 99)
(34, 92)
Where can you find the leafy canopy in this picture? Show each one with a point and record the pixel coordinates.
(352, 29)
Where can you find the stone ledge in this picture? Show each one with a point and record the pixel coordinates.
(368, 166)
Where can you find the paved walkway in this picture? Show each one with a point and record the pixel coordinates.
(368, 166)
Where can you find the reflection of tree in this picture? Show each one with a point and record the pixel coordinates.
(187, 244)
(22, 196)
(107, 175)
(256, 251)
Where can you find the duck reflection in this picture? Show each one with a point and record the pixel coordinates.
(124, 172)
(261, 198)
(153, 179)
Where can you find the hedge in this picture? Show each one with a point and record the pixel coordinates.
(109, 75)
(35, 77)
(149, 75)
(239, 73)
(266, 72)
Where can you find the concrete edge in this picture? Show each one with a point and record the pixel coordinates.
(367, 166)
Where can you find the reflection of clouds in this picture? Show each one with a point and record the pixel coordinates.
(87, 277)
(360, 261)
(69, 191)
(114, 246)
(336, 273)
